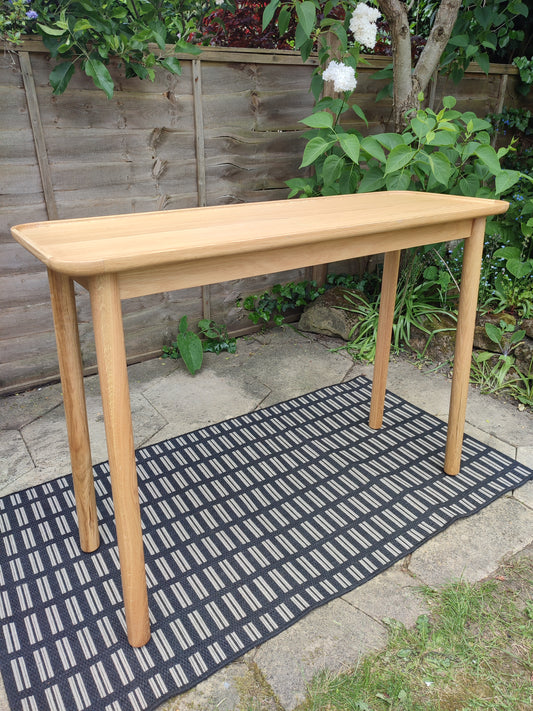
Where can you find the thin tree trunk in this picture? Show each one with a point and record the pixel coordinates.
(407, 84)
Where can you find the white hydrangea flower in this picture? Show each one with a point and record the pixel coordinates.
(342, 76)
(363, 24)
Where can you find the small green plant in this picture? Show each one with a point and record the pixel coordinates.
(420, 303)
(215, 338)
(191, 347)
(499, 373)
(273, 305)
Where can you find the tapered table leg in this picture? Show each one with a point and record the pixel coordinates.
(383, 342)
(466, 322)
(71, 371)
(111, 356)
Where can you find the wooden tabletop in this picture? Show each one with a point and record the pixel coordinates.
(97, 245)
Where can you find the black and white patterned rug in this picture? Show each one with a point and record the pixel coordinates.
(248, 525)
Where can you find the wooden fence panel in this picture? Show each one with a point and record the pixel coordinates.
(226, 130)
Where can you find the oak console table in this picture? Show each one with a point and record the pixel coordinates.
(122, 256)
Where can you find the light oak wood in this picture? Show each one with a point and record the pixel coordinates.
(466, 322)
(130, 255)
(383, 341)
(137, 241)
(71, 370)
(112, 369)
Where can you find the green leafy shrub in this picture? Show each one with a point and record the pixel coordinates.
(444, 152)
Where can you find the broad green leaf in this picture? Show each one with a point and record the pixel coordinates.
(331, 170)
(441, 168)
(284, 18)
(321, 119)
(518, 268)
(305, 49)
(398, 181)
(508, 252)
(82, 25)
(469, 186)
(459, 41)
(443, 138)
(493, 332)
(482, 58)
(385, 93)
(314, 149)
(488, 156)
(317, 86)
(373, 179)
(99, 73)
(359, 111)
(54, 31)
(350, 145)
(190, 348)
(506, 179)
(60, 76)
(269, 12)
(372, 147)
(184, 46)
(306, 12)
(517, 336)
(398, 158)
(449, 102)
(171, 64)
(389, 140)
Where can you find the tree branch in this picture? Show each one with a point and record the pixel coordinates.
(437, 41)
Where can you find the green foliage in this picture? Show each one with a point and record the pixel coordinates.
(444, 152)
(215, 338)
(191, 347)
(87, 34)
(423, 290)
(273, 305)
(525, 67)
(482, 29)
(16, 18)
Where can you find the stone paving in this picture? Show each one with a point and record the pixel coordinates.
(268, 368)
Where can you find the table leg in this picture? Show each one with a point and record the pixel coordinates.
(111, 356)
(466, 322)
(386, 317)
(71, 371)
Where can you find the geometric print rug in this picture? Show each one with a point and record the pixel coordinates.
(248, 525)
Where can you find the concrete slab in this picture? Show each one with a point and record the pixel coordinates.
(17, 410)
(46, 437)
(331, 637)
(392, 595)
(290, 364)
(15, 459)
(188, 402)
(525, 496)
(474, 547)
(220, 692)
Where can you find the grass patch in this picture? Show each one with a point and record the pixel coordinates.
(473, 651)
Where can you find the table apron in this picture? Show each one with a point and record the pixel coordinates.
(154, 279)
